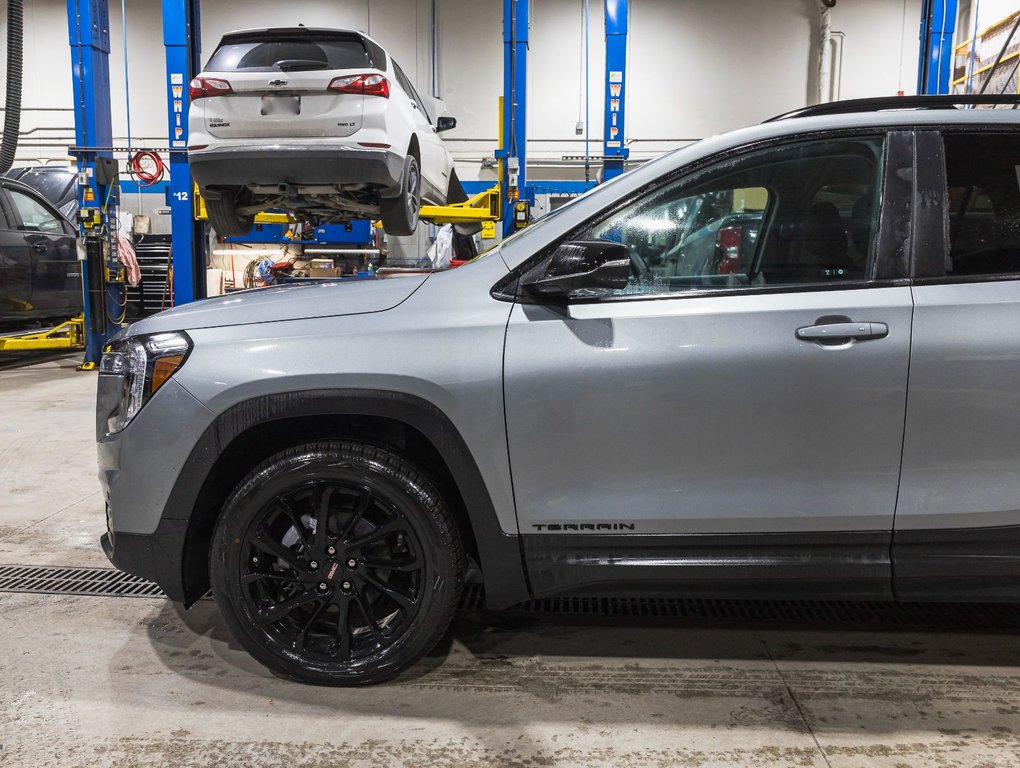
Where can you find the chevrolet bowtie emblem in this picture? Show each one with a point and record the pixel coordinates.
(278, 82)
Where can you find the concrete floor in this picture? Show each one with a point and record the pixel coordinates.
(132, 681)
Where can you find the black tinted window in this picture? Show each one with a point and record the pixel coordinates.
(326, 51)
(794, 215)
(983, 175)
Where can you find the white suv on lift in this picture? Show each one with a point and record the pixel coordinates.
(319, 122)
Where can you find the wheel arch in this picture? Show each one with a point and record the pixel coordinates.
(255, 429)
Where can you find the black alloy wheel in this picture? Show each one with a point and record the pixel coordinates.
(337, 563)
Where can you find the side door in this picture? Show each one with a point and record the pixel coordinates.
(958, 515)
(435, 172)
(731, 422)
(50, 242)
(16, 266)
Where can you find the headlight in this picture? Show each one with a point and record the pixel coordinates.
(145, 363)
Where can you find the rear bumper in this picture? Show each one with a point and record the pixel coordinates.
(255, 165)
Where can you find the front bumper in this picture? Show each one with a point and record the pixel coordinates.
(156, 557)
(268, 164)
(138, 470)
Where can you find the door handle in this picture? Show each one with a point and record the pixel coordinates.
(843, 331)
(40, 247)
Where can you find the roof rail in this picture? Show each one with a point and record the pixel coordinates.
(899, 102)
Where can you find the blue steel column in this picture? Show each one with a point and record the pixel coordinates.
(935, 61)
(181, 38)
(515, 78)
(88, 24)
(615, 152)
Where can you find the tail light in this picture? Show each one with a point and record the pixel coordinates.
(201, 87)
(728, 241)
(369, 85)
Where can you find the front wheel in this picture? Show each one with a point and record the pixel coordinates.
(400, 213)
(337, 563)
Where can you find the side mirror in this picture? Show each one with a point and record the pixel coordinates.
(445, 123)
(583, 268)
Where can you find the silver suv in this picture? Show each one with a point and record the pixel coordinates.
(781, 362)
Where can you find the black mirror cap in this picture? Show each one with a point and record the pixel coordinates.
(445, 123)
(583, 269)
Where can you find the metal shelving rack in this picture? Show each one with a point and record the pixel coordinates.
(974, 61)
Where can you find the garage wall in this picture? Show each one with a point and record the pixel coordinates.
(695, 68)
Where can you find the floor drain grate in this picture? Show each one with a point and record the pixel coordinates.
(63, 580)
(108, 582)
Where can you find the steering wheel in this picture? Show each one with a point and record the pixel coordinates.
(639, 271)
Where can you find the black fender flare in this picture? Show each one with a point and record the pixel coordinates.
(499, 553)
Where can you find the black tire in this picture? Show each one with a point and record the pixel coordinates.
(388, 573)
(400, 214)
(221, 206)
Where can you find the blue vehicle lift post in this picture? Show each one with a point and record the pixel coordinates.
(181, 36)
(935, 61)
(513, 155)
(615, 153)
(89, 37)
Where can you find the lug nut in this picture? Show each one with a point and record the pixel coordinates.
(313, 564)
(323, 586)
(330, 551)
(352, 563)
(346, 586)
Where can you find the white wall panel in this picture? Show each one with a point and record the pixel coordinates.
(695, 67)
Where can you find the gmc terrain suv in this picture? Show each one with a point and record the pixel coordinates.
(781, 362)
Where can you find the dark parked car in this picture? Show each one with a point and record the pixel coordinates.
(40, 275)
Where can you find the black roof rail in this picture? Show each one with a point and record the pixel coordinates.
(876, 104)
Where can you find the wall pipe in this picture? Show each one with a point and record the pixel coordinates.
(12, 113)
(587, 99)
(825, 57)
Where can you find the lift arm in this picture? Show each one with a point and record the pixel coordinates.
(69, 335)
(485, 206)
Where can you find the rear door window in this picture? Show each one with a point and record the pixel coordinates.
(983, 176)
(265, 54)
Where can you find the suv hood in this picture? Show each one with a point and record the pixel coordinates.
(285, 302)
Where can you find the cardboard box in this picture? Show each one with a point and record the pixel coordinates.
(322, 268)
